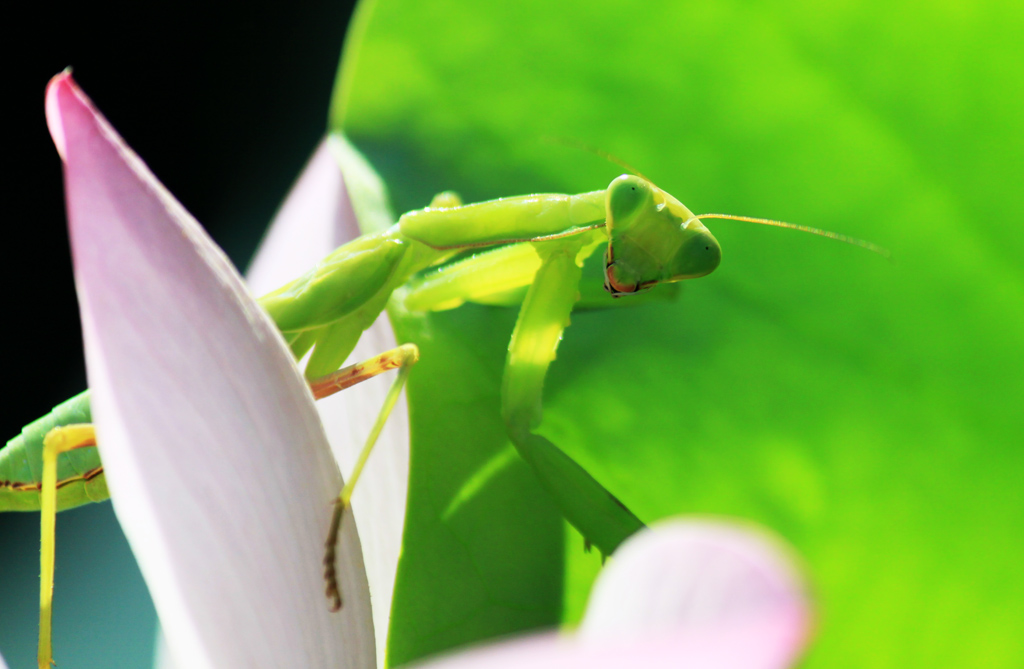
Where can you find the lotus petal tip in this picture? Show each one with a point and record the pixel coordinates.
(60, 82)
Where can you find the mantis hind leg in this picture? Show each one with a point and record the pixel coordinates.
(401, 358)
(58, 440)
(595, 512)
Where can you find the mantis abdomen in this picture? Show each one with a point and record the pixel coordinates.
(80, 478)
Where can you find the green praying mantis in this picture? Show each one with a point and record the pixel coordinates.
(526, 250)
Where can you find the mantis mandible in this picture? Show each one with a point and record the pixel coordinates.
(527, 250)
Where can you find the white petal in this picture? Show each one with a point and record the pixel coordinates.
(316, 218)
(3, 665)
(695, 594)
(217, 465)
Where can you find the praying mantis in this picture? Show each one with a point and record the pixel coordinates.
(525, 250)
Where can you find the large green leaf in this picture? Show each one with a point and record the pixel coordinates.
(869, 411)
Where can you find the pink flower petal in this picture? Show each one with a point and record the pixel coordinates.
(316, 218)
(218, 468)
(695, 594)
(694, 573)
(730, 591)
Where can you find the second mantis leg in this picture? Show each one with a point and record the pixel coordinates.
(401, 358)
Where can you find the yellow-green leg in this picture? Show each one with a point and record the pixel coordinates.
(70, 437)
(543, 277)
(58, 440)
(401, 358)
(346, 377)
(595, 512)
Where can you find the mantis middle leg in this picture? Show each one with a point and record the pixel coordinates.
(401, 358)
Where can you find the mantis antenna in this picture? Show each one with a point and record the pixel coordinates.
(575, 144)
(864, 244)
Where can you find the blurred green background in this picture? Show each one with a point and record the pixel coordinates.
(868, 411)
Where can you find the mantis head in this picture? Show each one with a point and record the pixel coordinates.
(653, 238)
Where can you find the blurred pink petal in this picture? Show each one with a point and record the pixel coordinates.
(696, 594)
(218, 468)
(316, 218)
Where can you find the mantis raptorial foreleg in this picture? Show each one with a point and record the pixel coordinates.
(585, 503)
(551, 271)
(58, 440)
(335, 342)
(333, 346)
(485, 277)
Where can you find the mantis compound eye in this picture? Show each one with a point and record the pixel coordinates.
(698, 256)
(627, 195)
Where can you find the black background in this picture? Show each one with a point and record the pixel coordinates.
(224, 102)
